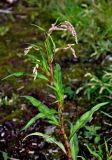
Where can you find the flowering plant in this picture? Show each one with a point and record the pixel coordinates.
(46, 69)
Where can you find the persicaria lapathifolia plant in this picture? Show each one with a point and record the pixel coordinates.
(46, 70)
(53, 75)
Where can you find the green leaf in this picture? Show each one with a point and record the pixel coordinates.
(49, 49)
(85, 118)
(32, 120)
(59, 89)
(33, 57)
(54, 46)
(44, 62)
(74, 147)
(41, 76)
(16, 74)
(40, 28)
(94, 153)
(49, 139)
(41, 107)
(106, 147)
(106, 114)
(5, 155)
(49, 114)
(53, 120)
(81, 157)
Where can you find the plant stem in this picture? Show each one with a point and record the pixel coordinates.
(51, 73)
(62, 129)
(63, 133)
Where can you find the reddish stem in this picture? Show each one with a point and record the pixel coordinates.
(51, 73)
(63, 133)
(62, 129)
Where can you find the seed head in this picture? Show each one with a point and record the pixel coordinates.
(26, 51)
(70, 46)
(65, 26)
(69, 27)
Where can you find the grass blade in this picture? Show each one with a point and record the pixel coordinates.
(16, 74)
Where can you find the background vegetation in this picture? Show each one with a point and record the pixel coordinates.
(87, 80)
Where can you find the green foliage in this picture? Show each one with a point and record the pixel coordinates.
(3, 30)
(91, 132)
(42, 56)
(106, 114)
(49, 49)
(74, 145)
(5, 101)
(95, 36)
(49, 139)
(101, 49)
(16, 74)
(98, 87)
(32, 2)
(45, 112)
(85, 118)
(58, 86)
(33, 120)
(98, 151)
(71, 11)
(69, 92)
(5, 155)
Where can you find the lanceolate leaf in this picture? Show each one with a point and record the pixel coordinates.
(41, 76)
(40, 28)
(32, 120)
(53, 43)
(53, 120)
(33, 57)
(59, 89)
(49, 49)
(45, 112)
(41, 107)
(49, 139)
(16, 74)
(74, 147)
(44, 62)
(94, 153)
(85, 118)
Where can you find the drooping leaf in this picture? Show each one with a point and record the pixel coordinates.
(49, 139)
(16, 74)
(85, 118)
(82, 158)
(32, 120)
